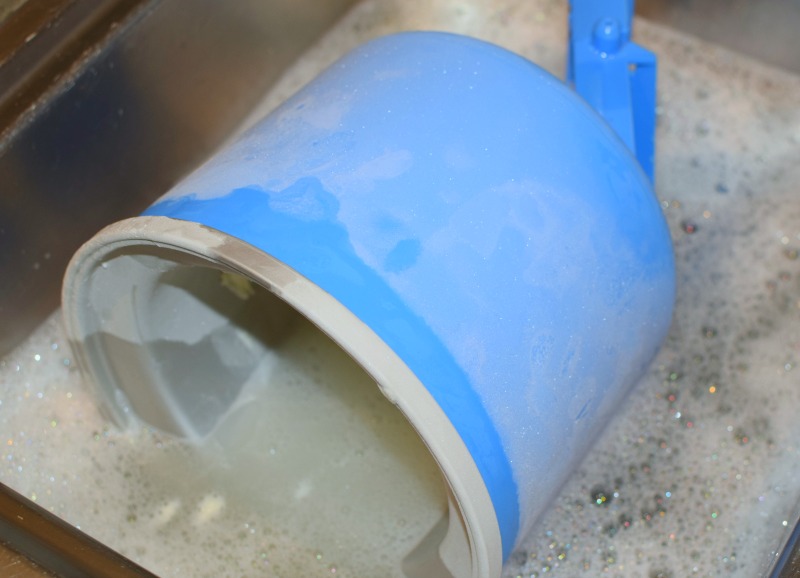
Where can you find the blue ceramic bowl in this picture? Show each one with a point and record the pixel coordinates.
(455, 218)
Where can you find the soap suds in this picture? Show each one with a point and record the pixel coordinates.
(699, 473)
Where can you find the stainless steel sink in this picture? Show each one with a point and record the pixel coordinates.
(104, 104)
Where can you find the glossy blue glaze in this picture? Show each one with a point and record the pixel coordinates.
(317, 245)
(483, 221)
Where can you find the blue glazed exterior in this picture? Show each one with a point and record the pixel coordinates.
(483, 221)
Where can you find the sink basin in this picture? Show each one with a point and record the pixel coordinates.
(105, 105)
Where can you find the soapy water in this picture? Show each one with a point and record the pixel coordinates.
(699, 473)
(313, 472)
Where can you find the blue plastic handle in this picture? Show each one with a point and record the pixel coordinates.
(614, 75)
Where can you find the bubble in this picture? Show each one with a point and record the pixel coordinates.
(689, 227)
(600, 496)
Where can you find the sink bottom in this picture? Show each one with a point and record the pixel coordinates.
(699, 473)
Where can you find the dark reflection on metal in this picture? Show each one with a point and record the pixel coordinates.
(21, 22)
(44, 43)
(15, 565)
(57, 546)
(788, 564)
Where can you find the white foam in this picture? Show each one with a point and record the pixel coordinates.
(712, 499)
